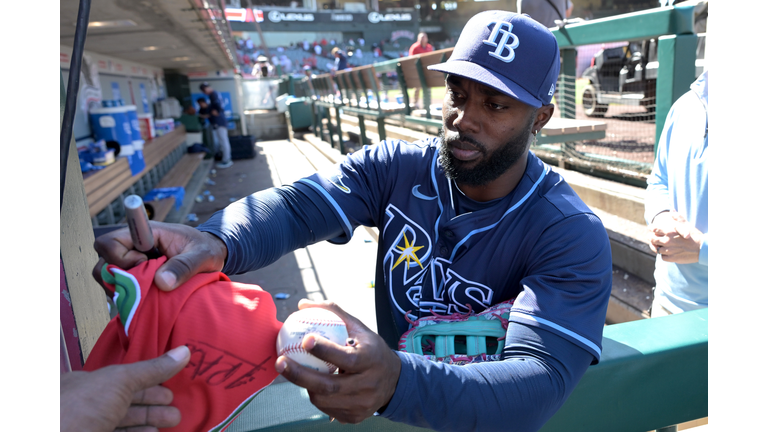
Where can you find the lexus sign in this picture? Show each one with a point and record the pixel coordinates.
(376, 17)
(277, 16)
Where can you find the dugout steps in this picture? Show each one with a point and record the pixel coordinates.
(619, 206)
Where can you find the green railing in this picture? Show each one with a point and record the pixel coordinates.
(652, 375)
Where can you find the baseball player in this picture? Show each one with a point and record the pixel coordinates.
(467, 220)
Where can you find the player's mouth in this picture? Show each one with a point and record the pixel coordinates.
(464, 151)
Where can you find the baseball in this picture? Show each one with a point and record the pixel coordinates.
(303, 322)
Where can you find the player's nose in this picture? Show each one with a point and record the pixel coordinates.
(466, 119)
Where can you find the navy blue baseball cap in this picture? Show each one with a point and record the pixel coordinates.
(509, 52)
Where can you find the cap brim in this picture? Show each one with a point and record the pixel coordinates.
(487, 77)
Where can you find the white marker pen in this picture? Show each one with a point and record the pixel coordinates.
(138, 224)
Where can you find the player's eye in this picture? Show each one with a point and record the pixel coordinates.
(453, 95)
(495, 106)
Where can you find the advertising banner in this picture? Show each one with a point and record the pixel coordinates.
(275, 19)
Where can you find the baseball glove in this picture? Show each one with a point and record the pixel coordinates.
(459, 338)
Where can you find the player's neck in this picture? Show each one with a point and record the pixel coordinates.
(498, 188)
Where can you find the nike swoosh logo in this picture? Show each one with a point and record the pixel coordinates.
(340, 184)
(419, 195)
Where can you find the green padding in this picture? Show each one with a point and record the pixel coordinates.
(286, 407)
(653, 373)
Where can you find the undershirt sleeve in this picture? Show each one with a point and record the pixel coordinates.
(264, 226)
(520, 393)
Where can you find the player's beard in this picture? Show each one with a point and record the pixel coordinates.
(490, 166)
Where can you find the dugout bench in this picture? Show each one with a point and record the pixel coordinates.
(167, 165)
(652, 375)
(359, 92)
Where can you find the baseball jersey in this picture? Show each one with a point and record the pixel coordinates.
(539, 245)
(229, 327)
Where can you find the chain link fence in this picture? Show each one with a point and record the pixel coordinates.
(615, 84)
(627, 150)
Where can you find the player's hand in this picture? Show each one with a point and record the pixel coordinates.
(368, 371)
(122, 396)
(675, 239)
(189, 252)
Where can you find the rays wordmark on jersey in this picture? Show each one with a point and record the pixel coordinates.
(418, 281)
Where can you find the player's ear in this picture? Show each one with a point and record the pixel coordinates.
(542, 116)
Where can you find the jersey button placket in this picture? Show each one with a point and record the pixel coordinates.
(445, 245)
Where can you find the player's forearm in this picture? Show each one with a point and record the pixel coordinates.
(266, 225)
(518, 394)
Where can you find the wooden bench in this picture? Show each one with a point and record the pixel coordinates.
(178, 176)
(362, 84)
(107, 188)
(323, 96)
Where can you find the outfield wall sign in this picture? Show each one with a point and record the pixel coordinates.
(277, 16)
(375, 17)
(281, 17)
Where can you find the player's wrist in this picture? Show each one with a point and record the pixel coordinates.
(218, 247)
(393, 375)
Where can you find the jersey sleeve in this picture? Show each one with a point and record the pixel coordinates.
(569, 282)
(266, 225)
(539, 371)
(356, 188)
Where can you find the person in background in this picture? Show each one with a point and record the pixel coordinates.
(203, 114)
(219, 124)
(308, 74)
(286, 64)
(421, 46)
(191, 122)
(341, 59)
(263, 68)
(545, 11)
(676, 206)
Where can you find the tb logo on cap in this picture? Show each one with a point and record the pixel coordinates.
(505, 29)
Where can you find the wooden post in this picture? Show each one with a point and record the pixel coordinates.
(84, 297)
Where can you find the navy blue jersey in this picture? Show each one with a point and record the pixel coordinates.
(216, 101)
(540, 245)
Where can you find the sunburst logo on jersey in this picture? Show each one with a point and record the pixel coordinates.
(408, 253)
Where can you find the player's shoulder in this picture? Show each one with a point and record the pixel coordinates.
(404, 148)
(400, 153)
(557, 195)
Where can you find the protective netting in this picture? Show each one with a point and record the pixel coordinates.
(628, 147)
